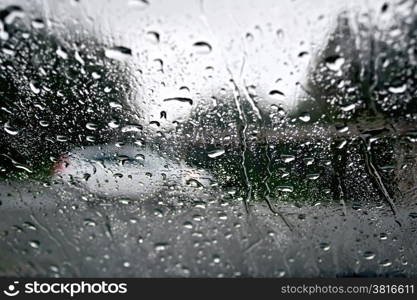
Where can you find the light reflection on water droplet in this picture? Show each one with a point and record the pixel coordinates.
(285, 188)
(216, 153)
(314, 176)
(325, 246)
(398, 89)
(305, 117)
(385, 263)
(118, 53)
(335, 63)
(9, 129)
(34, 244)
(159, 247)
(287, 158)
(368, 255)
(348, 107)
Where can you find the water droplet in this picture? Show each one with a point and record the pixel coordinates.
(198, 218)
(126, 264)
(398, 89)
(180, 99)
(188, 225)
(38, 24)
(249, 37)
(280, 33)
(115, 105)
(223, 216)
(383, 236)
(305, 117)
(314, 176)
(161, 247)
(202, 47)
(9, 129)
(34, 244)
(34, 89)
(132, 128)
(368, 255)
(140, 156)
(277, 95)
(159, 64)
(348, 107)
(287, 158)
(141, 4)
(334, 63)
(125, 201)
(303, 54)
(30, 226)
(413, 215)
(341, 144)
(91, 126)
(385, 263)
(113, 124)
(325, 246)
(54, 268)
(342, 129)
(118, 53)
(95, 75)
(216, 153)
(61, 138)
(13, 12)
(61, 53)
(285, 188)
(89, 223)
(153, 37)
(309, 161)
(44, 123)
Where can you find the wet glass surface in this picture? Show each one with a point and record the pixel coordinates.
(208, 138)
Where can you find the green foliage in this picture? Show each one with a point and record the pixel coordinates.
(50, 89)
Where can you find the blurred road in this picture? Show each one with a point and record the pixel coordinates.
(59, 231)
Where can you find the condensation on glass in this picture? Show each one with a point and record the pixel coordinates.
(208, 138)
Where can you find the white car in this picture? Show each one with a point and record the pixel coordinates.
(128, 171)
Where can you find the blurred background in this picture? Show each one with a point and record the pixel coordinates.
(190, 138)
